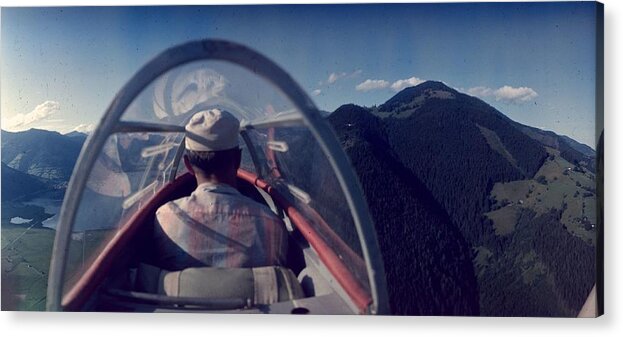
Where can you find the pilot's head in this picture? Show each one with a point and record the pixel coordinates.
(212, 151)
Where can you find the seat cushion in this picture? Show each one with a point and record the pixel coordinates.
(261, 285)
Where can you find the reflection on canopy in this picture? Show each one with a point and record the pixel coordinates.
(181, 92)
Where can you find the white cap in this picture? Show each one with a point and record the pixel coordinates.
(218, 131)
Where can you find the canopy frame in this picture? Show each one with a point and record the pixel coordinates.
(218, 50)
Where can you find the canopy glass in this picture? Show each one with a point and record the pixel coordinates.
(136, 151)
(137, 159)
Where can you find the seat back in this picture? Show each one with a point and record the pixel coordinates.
(261, 285)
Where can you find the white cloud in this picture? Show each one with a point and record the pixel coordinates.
(41, 112)
(316, 92)
(334, 77)
(409, 82)
(84, 128)
(369, 84)
(506, 94)
(515, 95)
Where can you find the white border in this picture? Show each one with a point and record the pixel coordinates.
(99, 324)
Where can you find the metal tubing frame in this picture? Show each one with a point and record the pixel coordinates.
(123, 126)
(279, 121)
(251, 148)
(176, 161)
(218, 50)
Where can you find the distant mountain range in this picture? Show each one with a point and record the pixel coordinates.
(36, 161)
(441, 171)
(76, 135)
(44, 154)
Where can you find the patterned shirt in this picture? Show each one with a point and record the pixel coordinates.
(219, 227)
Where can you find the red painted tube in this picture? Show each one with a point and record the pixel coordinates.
(361, 298)
(336, 240)
(75, 299)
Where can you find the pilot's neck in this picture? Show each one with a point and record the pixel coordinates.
(216, 179)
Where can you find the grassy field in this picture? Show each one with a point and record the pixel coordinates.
(25, 262)
(557, 185)
(504, 219)
(26, 253)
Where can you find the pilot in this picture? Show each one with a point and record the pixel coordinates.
(216, 225)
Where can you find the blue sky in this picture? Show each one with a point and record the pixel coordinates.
(61, 67)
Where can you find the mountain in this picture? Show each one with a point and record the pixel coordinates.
(324, 113)
(16, 184)
(571, 150)
(582, 148)
(427, 260)
(44, 154)
(412, 97)
(455, 144)
(76, 135)
(521, 198)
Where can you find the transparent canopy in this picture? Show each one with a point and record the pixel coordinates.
(143, 148)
